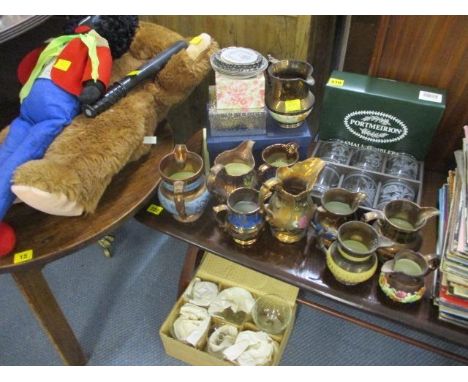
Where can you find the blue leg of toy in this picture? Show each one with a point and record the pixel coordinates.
(19, 129)
(49, 109)
(32, 147)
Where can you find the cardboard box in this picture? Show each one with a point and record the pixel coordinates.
(274, 134)
(228, 274)
(235, 93)
(391, 115)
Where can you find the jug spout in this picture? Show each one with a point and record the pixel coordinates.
(309, 81)
(242, 153)
(245, 148)
(426, 213)
(307, 171)
(358, 198)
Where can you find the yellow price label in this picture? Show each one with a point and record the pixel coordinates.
(22, 257)
(196, 40)
(292, 105)
(133, 73)
(335, 82)
(155, 209)
(62, 64)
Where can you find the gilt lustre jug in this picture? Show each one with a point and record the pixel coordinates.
(290, 207)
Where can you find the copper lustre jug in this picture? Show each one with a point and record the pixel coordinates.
(232, 169)
(403, 278)
(182, 190)
(338, 206)
(290, 207)
(288, 96)
(400, 221)
(351, 258)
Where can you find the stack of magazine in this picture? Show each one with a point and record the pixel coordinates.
(451, 294)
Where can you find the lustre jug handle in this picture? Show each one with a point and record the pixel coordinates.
(323, 235)
(321, 210)
(222, 208)
(373, 215)
(321, 244)
(265, 193)
(321, 232)
(358, 197)
(432, 261)
(213, 174)
(292, 148)
(263, 168)
(179, 198)
(180, 154)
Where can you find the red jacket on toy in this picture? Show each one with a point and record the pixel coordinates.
(72, 67)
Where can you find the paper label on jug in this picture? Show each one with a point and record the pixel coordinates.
(292, 105)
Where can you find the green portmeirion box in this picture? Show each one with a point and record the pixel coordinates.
(387, 114)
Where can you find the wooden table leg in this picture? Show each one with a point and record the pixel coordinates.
(190, 263)
(41, 300)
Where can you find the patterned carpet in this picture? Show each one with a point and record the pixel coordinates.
(116, 306)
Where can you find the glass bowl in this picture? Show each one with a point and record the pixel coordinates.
(271, 313)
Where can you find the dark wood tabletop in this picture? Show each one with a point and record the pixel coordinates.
(301, 264)
(51, 237)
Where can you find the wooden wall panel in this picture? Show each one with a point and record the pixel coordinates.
(361, 41)
(281, 36)
(433, 51)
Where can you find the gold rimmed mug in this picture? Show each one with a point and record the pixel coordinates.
(241, 217)
(277, 156)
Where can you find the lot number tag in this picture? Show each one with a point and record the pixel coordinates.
(154, 209)
(22, 257)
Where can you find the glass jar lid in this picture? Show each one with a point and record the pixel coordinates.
(238, 62)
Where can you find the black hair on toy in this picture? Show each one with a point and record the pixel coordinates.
(117, 30)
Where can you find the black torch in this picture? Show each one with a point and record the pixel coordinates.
(119, 89)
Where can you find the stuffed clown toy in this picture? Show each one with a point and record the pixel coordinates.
(57, 78)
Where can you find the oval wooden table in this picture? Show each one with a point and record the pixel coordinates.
(52, 237)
